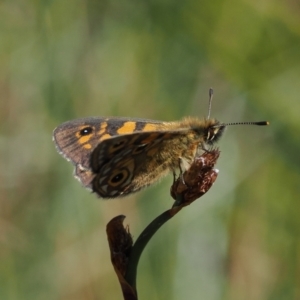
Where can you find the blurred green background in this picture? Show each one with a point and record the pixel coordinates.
(151, 59)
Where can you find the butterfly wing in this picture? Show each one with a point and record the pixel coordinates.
(127, 163)
(77, 139)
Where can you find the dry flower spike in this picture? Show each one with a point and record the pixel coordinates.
(197, 180)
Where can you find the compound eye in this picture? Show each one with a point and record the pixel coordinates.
(214, 134)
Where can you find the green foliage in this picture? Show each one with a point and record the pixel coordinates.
(151, 59)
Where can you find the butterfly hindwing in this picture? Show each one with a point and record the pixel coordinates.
(127, 163)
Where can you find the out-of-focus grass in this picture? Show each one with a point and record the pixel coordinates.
(63, 60)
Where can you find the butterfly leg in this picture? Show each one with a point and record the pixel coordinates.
(174, 176)
(182, 165)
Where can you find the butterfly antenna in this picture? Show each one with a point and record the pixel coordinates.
(260, 123)
(210, 93)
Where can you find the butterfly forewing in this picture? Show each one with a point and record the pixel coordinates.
(77, 139)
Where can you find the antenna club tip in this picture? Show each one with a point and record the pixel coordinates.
(263, 123)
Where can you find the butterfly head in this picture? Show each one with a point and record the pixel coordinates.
(213, 132)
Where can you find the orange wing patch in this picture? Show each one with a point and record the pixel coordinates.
(128, 127)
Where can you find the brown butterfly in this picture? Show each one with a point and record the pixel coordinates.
(117, 156)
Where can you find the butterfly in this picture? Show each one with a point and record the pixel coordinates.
(115, 157)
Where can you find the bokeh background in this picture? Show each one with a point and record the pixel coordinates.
(151, 59)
